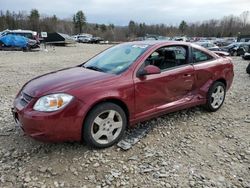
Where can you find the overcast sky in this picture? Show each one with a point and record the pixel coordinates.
(119, 12)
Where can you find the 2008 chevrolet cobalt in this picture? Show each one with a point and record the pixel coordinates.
(120, 87)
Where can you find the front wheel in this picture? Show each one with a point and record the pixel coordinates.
(104, 125)
(216, 96)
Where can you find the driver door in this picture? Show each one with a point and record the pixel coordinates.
(157, 92)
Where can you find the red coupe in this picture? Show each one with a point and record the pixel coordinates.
(126, 84)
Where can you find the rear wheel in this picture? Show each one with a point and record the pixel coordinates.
(26, 49)
(216, 96)
(104, 126)
(248, 68)
(233, 53)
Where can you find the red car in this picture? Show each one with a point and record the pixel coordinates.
(124, 85)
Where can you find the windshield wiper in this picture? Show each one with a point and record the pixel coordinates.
(94, 68)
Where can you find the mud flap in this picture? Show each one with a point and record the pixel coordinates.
(135, 136)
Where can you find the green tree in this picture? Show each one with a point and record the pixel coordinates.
(96, 27)
(34, 19)
(103, 27)
(142, 29)
(132, 28)
(111, 26)
(54, 18)
(8, 19)
(79, 21)
(183, 26)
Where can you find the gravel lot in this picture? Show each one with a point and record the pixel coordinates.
(190, 148)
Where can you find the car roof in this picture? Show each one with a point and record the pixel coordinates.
(19, 31)
(158, 42)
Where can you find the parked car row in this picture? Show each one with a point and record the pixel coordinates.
(228, 45)
(234, 49)
(237, 48)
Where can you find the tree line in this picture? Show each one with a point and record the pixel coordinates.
(228, 26)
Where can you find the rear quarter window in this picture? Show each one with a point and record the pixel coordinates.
(200, 56)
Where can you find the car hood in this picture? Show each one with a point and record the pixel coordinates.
(63, 81)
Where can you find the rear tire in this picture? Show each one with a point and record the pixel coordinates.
(215, 96)
(104, 125)
(248, 69)
(233, 53)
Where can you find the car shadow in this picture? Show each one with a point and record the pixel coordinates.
(184, 114)
(42, 149)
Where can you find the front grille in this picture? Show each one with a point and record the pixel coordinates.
(27, 97)
(24, 99)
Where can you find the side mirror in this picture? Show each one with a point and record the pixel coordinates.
(148, 70)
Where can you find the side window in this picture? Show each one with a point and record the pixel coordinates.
(200, 56)
(168, 57)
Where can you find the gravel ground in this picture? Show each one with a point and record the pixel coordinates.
(189, 148)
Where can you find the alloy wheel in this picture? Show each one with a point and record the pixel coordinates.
(217, 97)
(106, 127)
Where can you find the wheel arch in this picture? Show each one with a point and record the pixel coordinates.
(222, 80)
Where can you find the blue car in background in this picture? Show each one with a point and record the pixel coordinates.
(13, 41)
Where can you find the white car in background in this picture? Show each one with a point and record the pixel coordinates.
(209, 45)
(83, 38)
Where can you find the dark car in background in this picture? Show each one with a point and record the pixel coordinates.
(236, 48)
(224, 41)
(96, 40)
(246, 56)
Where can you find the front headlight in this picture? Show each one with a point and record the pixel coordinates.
(52, 102)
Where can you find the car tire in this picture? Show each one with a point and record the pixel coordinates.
(234, 53)
(26, 49)
(248, 69)
(104, 125)
(215, 96)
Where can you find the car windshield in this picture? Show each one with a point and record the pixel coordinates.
(117, 59)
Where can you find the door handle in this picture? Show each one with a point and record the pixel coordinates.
(187, 75)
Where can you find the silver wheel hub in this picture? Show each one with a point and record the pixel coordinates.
(217, 97)
(106, 127)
